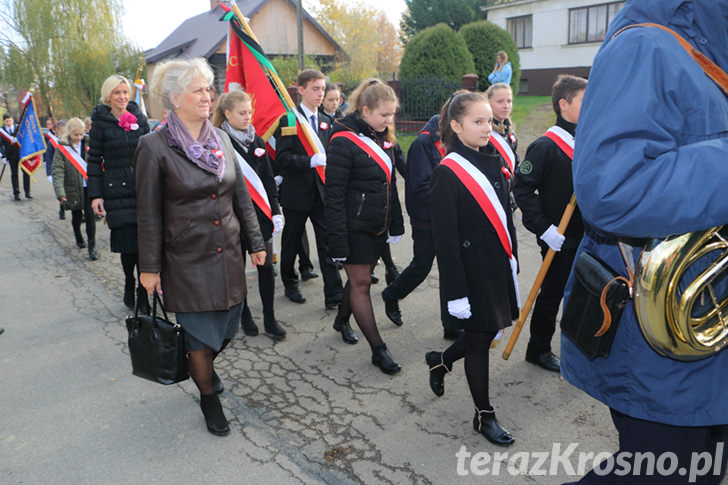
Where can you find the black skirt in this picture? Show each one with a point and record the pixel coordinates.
(365, 248)
(124, 239)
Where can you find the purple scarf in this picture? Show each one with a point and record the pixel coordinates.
(206, 152)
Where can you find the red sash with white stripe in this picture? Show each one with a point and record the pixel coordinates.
(438, 144)
(9, 138)
(71, 155)
(255, 187)
(371, 148)
(563, 140)
(484, 194)
(504, 149)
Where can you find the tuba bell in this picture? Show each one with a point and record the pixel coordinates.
(681, 294)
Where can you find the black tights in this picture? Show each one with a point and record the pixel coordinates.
(77, 216)
(474, 346)
(128, 262)
(266, 282)
(387, 257)
(358, 301)
(200, 366)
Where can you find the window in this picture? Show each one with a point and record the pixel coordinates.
(589, 24)
(521, 30)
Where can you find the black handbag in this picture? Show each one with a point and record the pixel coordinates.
(598, 296)
(157, 346)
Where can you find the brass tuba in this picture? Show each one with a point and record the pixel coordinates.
(678, 309)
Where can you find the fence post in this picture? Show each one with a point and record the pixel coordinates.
(470, 82)
(394, 84)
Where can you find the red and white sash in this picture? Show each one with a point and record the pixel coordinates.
(371, 148)
(71, 155)
(563, 140)
(504, 149)
(8, 137)
(484, 194)
(255, 187)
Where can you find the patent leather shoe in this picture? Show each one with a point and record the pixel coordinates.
(347, 334)
(486, 424)
(294, 294)
(391, 309)
(382, 359)
(545, 360)
(438, 369)
(215, 419)
(308, 274)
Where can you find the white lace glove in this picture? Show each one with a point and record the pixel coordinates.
(278, 223)
(339, 260)
(50, 179)
(318, 160)
(553, 238)
(394, 239)
(279, 180)
(459, 308)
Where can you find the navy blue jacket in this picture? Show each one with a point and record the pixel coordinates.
(423, 156)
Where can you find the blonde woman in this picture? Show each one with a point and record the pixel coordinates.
(502, 70)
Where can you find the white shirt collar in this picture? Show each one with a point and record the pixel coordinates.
(308, 112)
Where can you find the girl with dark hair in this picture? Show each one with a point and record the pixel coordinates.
(475, 243)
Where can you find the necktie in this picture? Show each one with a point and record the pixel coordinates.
(313, 123)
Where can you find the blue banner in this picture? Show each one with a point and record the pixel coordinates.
(29, 134)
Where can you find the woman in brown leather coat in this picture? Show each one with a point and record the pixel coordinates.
(194, 216)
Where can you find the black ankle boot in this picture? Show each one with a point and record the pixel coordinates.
(92, 254)
(382, 359)
(246, 322)
(272, 328)
(79, 241)
(215, 419)
(438, 369)
(391, 309)
(486, 424)
(129, 293)
(142, 300)
(342, 325)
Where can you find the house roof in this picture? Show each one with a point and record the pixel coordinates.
(201, 35)
(497, 4)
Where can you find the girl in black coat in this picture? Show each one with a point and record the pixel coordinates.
(475, 252)
(233, 113)
(117, 125)
(362, 207)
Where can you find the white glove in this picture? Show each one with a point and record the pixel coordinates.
(394, 239)
(279, 180)
(318, 160)
(50, 179)
(5, 160)
(339, 260)
(278, 223)
(459, 308)
(553, 238)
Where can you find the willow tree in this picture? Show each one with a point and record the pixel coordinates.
(64, 49)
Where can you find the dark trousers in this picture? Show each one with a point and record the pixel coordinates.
(690, 446)
(543, 320)
(14, 167)
(423, 254)
(304, 258)
(291, 238)
(88, 217)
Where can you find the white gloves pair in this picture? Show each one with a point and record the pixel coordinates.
(553, 238)
(278, 223)
(459, 308)
(318, 160)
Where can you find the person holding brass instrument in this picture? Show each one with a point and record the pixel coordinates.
(649, 176)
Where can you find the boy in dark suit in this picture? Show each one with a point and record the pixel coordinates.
(302, 190)
(11, 149)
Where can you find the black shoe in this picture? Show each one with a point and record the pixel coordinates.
(142, 300)
(294, 294)
(391, 308)
(382, 359)
(438, 369)
(347, 334)
(546, 360)
(80, 243)
(247, 324)
(28, 196)
(375, 279)
(273, 329)
(16, 197)
(333, 302)
(217, 384)
(215, 419)
(92, 254)
(486, 424)
(308, 274)
(391, 274)
(448, 334)
(129, 293)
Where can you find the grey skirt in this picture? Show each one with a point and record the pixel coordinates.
(209, 329)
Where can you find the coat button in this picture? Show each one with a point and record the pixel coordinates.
(217, 223)
(123, 183)
(496, 185)
(466, 244)
(219, 250)
(213, 196)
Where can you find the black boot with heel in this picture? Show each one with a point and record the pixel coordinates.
(486, 424)
(215, 419)
(438, 369)
(382, 359)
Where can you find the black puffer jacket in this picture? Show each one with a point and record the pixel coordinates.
(110, 155)
(358, 195)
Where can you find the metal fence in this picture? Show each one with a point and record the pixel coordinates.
(422, 97)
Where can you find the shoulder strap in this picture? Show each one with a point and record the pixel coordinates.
(712, 70)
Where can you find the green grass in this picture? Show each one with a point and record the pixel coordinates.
(522, 107)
